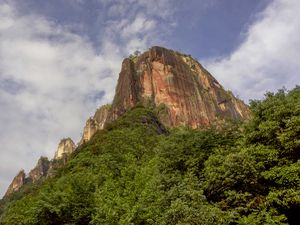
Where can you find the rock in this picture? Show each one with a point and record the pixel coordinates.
(95, 123)
(17, 183)
(101, 114)
(65, 148)
(89, 130)
(44, 168)
(183, 92)
(54, 165)
(40, 170)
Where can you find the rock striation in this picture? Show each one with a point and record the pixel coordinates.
(95, 123)
(178, 86)
(17, 183)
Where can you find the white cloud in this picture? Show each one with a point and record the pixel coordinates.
(140, 25)
(137, 24)
(51, 79)
(268, 59)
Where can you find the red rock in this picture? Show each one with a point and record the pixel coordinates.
(178, 84)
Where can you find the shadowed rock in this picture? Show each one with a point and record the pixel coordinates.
(40, 170)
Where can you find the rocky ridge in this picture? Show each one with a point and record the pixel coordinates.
(178, 87)
(17, 183)
(65, 147)
(44, 168)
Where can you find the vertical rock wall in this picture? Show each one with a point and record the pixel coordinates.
(180, 85)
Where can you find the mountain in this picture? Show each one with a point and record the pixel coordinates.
(136, 164)
(178, 86)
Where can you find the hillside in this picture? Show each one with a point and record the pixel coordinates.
(173, 147)
(135, 171)
(176, 86)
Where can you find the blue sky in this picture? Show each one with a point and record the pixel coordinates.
(60, 59)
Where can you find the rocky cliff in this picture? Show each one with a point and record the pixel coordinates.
(65, 147)
(178, 86)
(44, 168)
(17, 183)
(95, 123)
(40, 170)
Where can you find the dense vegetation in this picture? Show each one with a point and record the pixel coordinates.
(137, 172)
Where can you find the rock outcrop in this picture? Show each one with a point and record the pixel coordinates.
(17, 183)
(44, 168)
(95, 123)
(65, 147)
(178, 86)
(40, 170)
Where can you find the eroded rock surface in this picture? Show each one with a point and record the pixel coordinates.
(179, 86)
(17, 183)
(95, 123)
(65, 147)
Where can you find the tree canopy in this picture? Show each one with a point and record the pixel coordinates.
(138, 172)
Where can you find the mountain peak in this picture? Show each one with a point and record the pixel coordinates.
(17, 183)
(179, 85)
(65, 147)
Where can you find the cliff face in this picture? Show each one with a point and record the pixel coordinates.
(95, 123)
(65, 147)
(179, 86)
(40, 170)
(17, 183)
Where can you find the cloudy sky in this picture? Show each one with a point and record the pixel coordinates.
(60, 59)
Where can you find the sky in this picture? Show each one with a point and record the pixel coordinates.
(60, 59)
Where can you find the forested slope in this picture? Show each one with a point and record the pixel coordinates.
(135, 171)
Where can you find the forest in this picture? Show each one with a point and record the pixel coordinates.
(136, 171)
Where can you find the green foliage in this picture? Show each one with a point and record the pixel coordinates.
(259, 178)
(275, 122)
(137, 172)
(135, 55)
